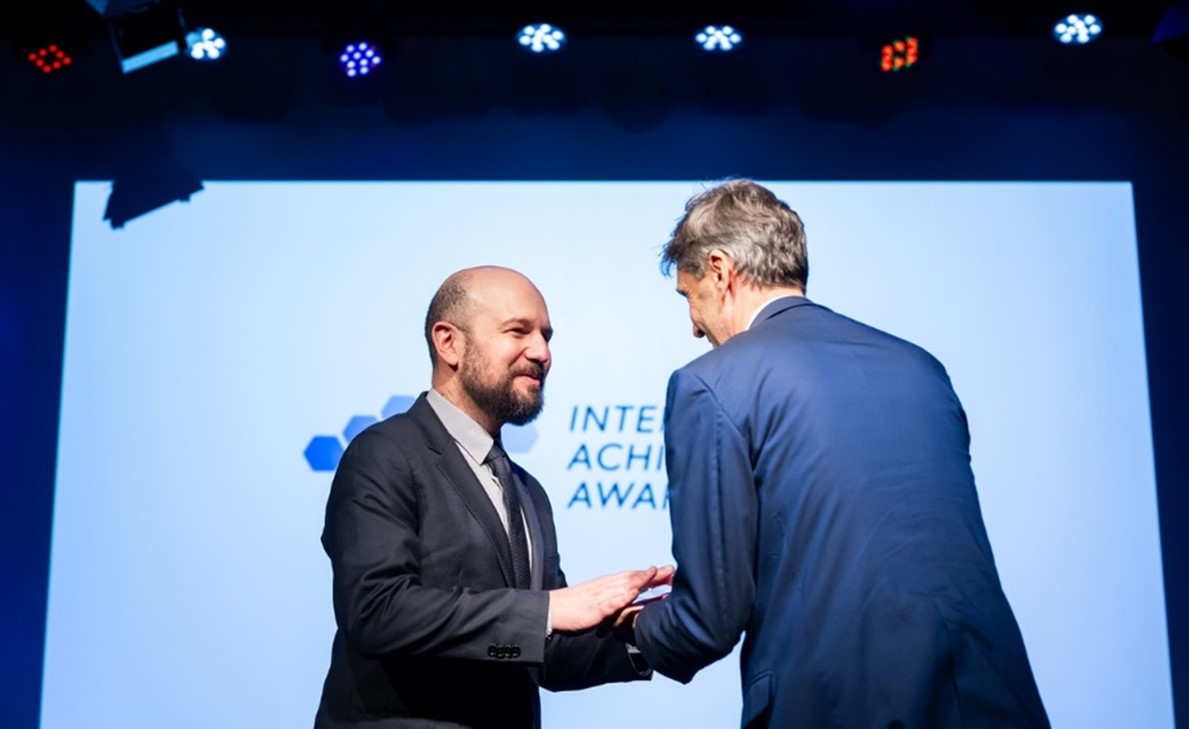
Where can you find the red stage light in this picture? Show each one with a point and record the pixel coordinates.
(899, 54)
(50, 58)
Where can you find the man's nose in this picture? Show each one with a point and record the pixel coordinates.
(538, 350)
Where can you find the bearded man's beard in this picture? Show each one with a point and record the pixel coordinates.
(501, 400)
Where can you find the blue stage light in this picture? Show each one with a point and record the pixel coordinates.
(542, 38)
(359, 59)
(715, 38)
(204, 44)
(1077, 29)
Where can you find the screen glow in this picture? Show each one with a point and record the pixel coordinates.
(209, 344)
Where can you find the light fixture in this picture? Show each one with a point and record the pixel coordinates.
(359, 59)
(716, 38)
(146, 185)
(49, 58)
(899, 54)
(51, 38)
(204, 44)
(143, 33)
(1080, 29)
(541, 38)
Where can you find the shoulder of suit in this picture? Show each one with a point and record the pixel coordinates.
(757, 341)
(746, 344)
(395, 424)
(395, 429)
(738, 355)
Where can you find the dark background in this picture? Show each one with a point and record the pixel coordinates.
(631, 97)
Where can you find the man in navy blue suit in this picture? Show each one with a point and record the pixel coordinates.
(822, 503)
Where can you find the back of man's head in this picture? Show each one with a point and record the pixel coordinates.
(761, 233)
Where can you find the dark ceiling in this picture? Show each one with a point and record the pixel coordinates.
(1136, 18)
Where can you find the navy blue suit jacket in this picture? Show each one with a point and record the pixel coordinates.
(823, 504)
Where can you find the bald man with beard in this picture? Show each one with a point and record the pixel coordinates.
(449, 598)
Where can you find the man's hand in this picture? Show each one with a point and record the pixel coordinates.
(588, 604)
(622, 625)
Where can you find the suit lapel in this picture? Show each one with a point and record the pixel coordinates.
(458, 474)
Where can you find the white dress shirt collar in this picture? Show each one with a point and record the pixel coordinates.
(470, 436)
(751, 322)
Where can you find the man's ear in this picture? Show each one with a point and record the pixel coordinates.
(448, 343)
(721, 267)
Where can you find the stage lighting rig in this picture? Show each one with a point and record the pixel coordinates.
(205, 44)
(541, 38)
(356, 46)
(50, 58)
(143, 32)
(718, 38)
(1078, 29)
(49, 40)
(146, 185)
(899, 54)
(359, 58)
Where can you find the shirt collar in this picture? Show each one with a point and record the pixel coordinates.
(469, 435)
(765, 305)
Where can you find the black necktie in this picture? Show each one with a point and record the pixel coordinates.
(498, 460)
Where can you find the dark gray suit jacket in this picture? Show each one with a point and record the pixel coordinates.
(823, 503)
(430, 634)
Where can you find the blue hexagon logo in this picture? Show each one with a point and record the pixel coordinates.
(396, 405)
(518, 438)
(323, 452)
(356, 425)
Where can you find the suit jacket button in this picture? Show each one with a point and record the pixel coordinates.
(515, 651)
(491, 651)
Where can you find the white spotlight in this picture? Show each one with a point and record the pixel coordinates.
(542, 38)
(204, 44)
(721, 39)
(1077, 29)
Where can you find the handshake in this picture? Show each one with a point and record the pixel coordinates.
(608, 603)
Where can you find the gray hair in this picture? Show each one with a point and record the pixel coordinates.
(761, 233)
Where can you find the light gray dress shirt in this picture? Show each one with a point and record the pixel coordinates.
(474, 443)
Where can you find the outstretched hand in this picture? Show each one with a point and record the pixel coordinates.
(588, 604)
(623, 623)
